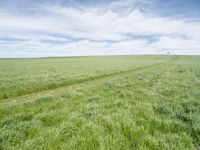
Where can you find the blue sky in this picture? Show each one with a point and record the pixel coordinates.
(43, 28)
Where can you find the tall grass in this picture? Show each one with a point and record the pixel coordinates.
(156, 108)
(24, 76)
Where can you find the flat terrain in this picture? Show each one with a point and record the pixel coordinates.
(110, 102)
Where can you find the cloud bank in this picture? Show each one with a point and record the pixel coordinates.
(119, 27)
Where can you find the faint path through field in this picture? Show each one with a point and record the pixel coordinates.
(84, 84)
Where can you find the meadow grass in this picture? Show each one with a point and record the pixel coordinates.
(152, 107)
(24, 76)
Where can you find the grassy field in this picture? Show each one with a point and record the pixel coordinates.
(113, 102)
(23, 76)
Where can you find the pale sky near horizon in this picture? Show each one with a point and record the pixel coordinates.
(43, 28)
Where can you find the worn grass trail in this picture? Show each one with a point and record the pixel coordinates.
(25, 76)
(154, 107)
(87, 83)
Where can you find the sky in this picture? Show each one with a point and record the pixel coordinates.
(47, 28)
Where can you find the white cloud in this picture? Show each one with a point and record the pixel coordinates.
(95, 30)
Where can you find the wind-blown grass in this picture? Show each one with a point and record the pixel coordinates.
(154, 107)
(24, 76)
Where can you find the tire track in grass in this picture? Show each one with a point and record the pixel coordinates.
(76, 86)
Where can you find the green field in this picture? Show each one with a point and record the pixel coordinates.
(105, 103)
